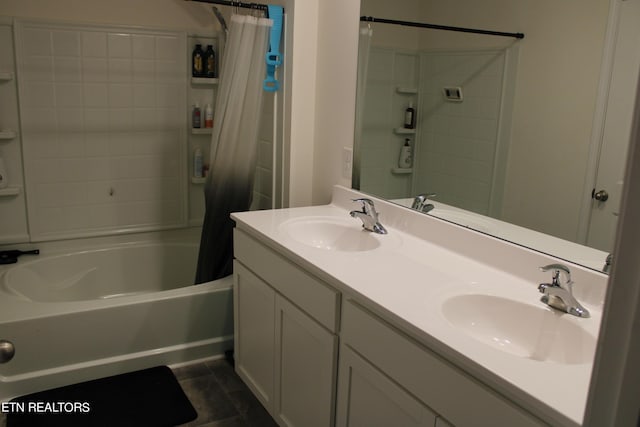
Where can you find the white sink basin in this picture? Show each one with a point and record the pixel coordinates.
(523, 330)
(329, 233)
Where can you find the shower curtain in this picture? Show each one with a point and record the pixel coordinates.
(229, 184)
(364, 47)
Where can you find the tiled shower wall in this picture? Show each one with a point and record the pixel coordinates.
(103, 117)
(456, 152)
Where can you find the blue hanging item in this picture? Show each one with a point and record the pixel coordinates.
(273, 57)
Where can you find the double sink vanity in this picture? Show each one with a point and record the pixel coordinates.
(428, 324)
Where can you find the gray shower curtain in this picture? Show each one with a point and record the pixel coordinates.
(229, 185)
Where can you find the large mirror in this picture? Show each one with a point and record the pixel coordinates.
(524, 139)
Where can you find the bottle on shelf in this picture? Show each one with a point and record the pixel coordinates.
(208, 116)
(406, 155)
(196, 117)
(410, 117)
(210, 62)
(197, 163)
(197, 62)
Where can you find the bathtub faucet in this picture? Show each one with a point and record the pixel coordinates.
(11, 256)
(369, 216)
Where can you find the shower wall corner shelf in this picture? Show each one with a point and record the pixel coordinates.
(204, 81)
(407, 90)
(404, 131)
(201, 131)
(9, 191)
(401, 171)
(7, 134)
(6, 76)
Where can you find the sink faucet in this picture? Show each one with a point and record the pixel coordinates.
(420, 202)
(607, 264)
(369, 216)
(559, 293)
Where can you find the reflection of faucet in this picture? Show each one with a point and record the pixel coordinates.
(369, 216)
(607, 264)
(559, 295)
(420, 202)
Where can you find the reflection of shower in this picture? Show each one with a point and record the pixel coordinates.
(220, 18)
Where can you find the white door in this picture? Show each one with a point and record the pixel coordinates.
(607, 191)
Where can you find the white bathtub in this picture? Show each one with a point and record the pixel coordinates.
(93, 313)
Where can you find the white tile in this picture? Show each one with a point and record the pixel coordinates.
(120, 95)
(67, 69)
(37, 42)
(37, 68)
(96, 120)
(145, 119)
(71, 144)
(119, 45)
(170, 118)
(144, 95)
(69, 95)
(98, 169)
(39, 120)
(38, 94)
(120, 70)
(143, 70)
(100, 192)
(94, 44)
(121, 144)
(96, 95)
(70, 120)
(120, 119)
(66, 43)
(50, 220)
(46, 171)
(103, 216)
(167, 48)
(169, 71)
(73, 169)
(96, 144)
(144, 46)
(169, 94)
(43, 145)
(48, 194)
(95, 70)
(77, 218)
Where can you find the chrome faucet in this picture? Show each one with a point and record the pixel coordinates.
(369, 216)
(559, 293)
(607, 264)
(420, 202)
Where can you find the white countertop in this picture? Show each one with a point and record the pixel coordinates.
(423, 261)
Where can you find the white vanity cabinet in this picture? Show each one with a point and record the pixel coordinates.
(286, 342)
(382, 365)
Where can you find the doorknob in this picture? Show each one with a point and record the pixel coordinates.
(601, 196)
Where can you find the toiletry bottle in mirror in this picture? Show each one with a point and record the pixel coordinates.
(208, 116)
(197, 62)
(410, 117)
(196, 116)
(210, 62)
(406, 155)
(197, 163)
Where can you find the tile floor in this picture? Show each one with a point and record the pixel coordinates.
(220, 397)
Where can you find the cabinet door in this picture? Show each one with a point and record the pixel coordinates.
(306, 355)
(367, 398)
(254, 331)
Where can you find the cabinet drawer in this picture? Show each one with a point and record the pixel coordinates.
(441, 386)
(313, 296)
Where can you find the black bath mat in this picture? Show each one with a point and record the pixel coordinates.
(150, 398)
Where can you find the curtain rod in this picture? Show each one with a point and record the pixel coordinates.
(441, 27)
(255, 6)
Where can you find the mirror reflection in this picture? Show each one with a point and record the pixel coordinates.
(524, 139)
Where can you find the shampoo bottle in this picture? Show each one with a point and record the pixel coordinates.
(208, 116)
(406, 154)
(210, 62)
(197, 62)
(196, 118)
(410, 117)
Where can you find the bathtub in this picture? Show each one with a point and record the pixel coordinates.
(97, 312)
